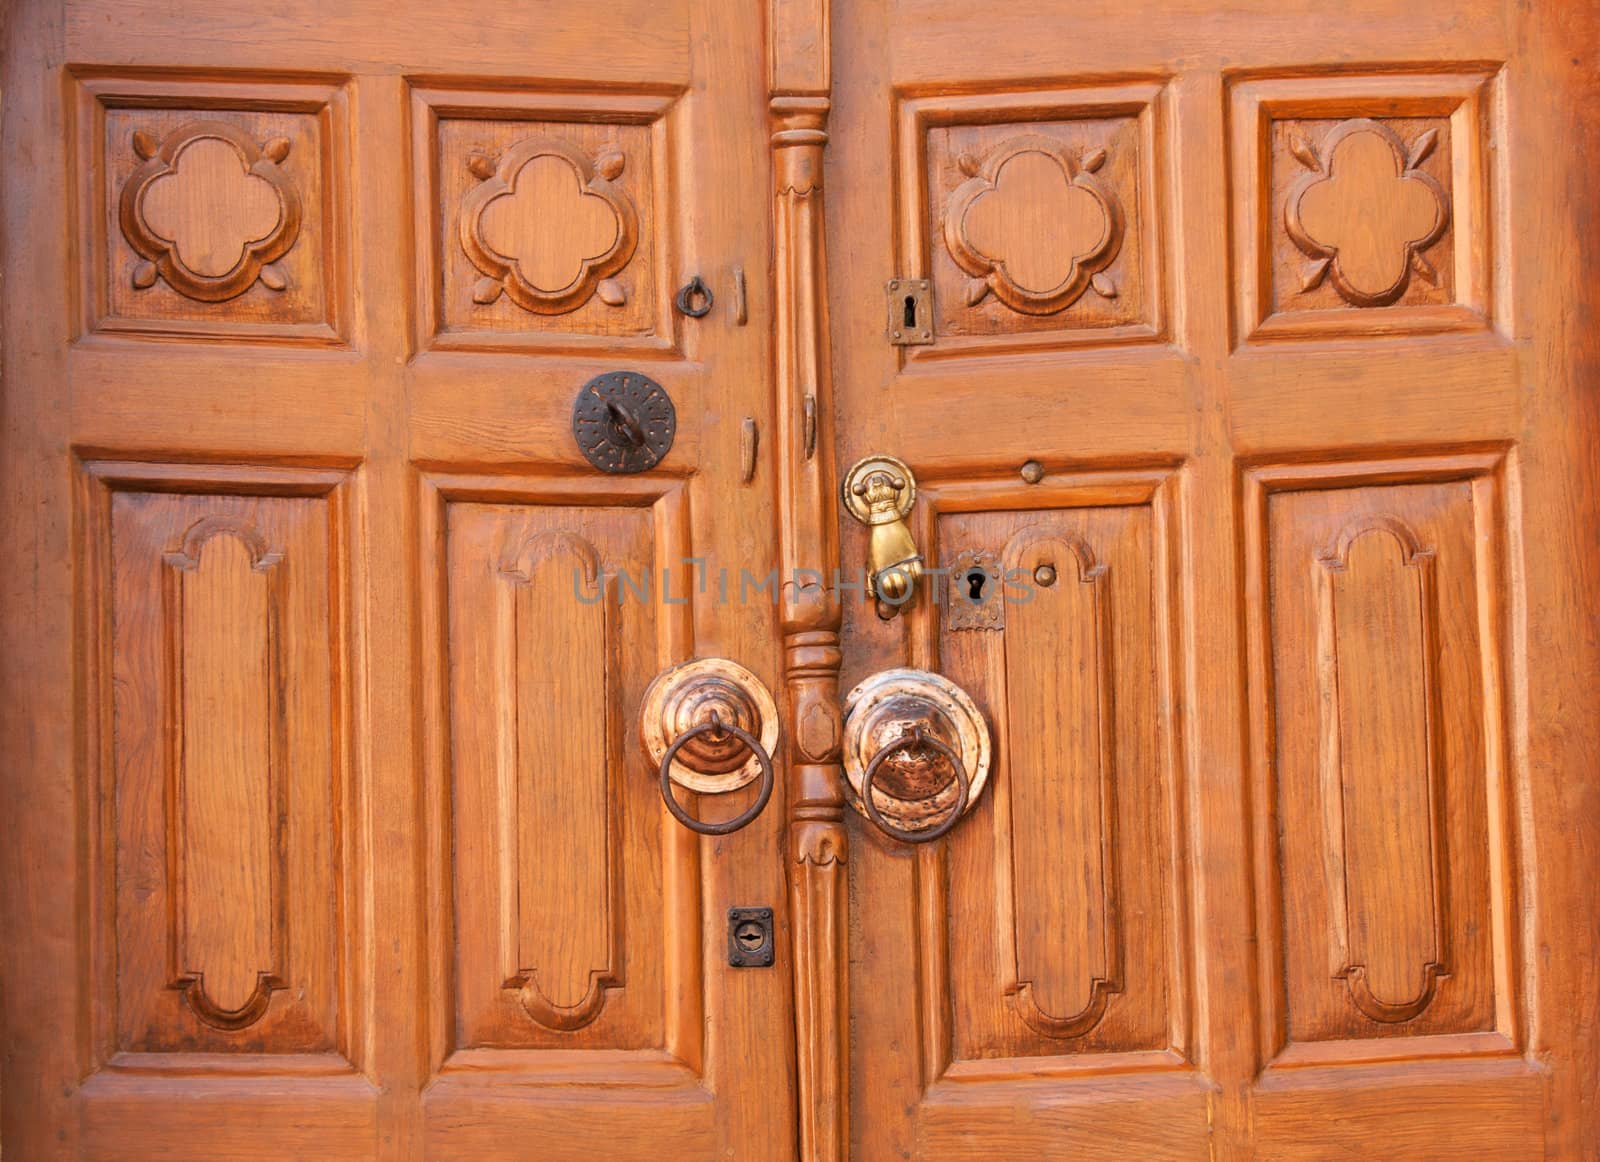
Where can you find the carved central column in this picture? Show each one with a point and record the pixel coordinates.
(809, 543)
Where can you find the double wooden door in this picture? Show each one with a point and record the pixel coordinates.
(1244, 353)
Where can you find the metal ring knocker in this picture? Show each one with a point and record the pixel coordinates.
(692, 290)
(717, 729)
(917, 737)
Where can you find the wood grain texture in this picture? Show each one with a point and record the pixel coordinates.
(212, 209)
(1323, 415)
(1383, 763)
(1368, 375)
(559, 773)
(551, 218)
(809, 549)
(1382, 771)
(226, 798)
(1065, 952)
(221, 694)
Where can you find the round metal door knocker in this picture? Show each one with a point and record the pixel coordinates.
(918, 745)
(624, 422)
(710, 726)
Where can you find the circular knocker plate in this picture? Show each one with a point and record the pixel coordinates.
(872, 476)
(688, 696)
(624, 422)
(908, 727)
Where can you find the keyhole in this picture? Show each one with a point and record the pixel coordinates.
(750, 936)
(975, 580)
(911, 311)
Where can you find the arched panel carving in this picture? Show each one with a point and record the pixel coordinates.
(1382, 767)
(1061, 945)
(560, 756)
(227, 790)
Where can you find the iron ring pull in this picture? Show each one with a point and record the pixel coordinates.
(695, 288)
(917, 737)
(752, 743)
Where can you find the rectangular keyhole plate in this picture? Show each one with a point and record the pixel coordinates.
(910, 318)
(750, 937)
(975, 594)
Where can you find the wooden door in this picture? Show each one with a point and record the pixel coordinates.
(328, 830)
(1257, 361)
(1262, 359)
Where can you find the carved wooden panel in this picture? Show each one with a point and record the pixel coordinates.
(1367, 212)
(1065, 946)
(1385, 782)
(1061, 885)
(216, 705)
(566, 878)
(1034, 214)
(226, 783)
(548, 222)
(212, 209)
(1360, 204)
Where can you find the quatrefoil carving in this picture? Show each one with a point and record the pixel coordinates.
(1033, 225)
(1364, 213)
(548, 228)
(209, 211)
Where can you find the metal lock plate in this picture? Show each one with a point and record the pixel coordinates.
(910, 312)
(975, 592)
(750, 937)
(624, 422)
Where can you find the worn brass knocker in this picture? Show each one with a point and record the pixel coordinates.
(716, 731)
(710, 726)
(879, 491)
(916, 753)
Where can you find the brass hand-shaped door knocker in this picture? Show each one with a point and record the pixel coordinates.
(879, 491)
(710, 726)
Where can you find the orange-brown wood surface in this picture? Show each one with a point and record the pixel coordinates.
(332, 834)
(1261, 379)
(1289, 847)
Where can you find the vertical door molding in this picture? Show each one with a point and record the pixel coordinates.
(799, 81)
